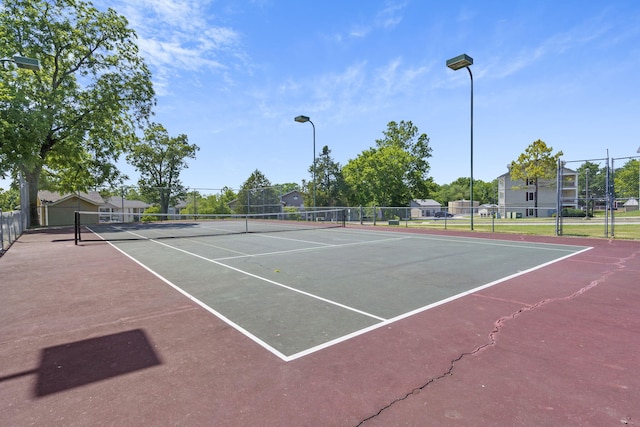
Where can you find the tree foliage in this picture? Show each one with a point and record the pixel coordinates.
(257, 195)
(211, 204)
(627, 179)
(160, 158)
(483, 192)
(592, 185)
(534, 165)
(329, 181)
(9, 200)
(392, 173)
(73, 118)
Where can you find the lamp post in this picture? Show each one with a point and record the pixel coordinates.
(464, 61)
(304, 119)
(25, 63)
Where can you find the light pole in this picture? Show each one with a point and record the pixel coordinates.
(304, 119)
(464, 61)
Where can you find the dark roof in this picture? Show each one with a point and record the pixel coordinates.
(51, 198)
(117, 201)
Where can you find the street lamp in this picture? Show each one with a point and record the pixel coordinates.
(23, 62)
(304, 119)
(464, 61)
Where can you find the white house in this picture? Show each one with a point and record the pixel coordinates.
(424, 207)
(517, 197)
(131, 209)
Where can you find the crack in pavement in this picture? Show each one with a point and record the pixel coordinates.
(498, 325)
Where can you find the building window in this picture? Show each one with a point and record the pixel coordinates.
(530, 195)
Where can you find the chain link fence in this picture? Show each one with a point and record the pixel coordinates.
(12, 225)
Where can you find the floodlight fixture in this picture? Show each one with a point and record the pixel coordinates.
(461, 61)
(24, 62)
(27, 63)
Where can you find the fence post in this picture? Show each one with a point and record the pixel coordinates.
(1, 232)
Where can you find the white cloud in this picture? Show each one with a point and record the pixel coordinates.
(180, 35)
(385, 19)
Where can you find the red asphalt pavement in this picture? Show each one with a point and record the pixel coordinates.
(89, 337)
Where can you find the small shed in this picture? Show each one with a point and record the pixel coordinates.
(56, 209)
(631, 205)
(424, 207)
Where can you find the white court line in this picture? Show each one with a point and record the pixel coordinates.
(383, 322)
(425, 308)
(219, 315)
(319, 248)
(273, 282)
(217, 247)
(473, 240)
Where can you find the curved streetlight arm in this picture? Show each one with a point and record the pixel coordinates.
(305, 119)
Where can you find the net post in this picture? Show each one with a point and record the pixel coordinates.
(76, 225)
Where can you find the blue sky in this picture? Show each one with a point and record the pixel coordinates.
(232, 75)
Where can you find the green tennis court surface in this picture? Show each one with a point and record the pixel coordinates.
(298, 292)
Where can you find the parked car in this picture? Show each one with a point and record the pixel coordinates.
(442, 214)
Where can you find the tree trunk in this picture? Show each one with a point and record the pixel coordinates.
(33, 178)
(164, 200)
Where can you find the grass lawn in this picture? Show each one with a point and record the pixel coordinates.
(626, 225)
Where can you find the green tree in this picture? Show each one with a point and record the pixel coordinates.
(456, 190)
(78, 113)
(212, 204)
(627, 180)
(10, 199)
(287, 187)
(160, 158)
(392, 173)
(534, 165)
(329, 181)
(591, 184)
(257, 195)
(483, 192)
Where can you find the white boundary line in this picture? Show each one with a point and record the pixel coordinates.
(425, 308)
(273, 282)
(383, 322)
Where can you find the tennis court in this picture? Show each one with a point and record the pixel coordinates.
(303, 290)
(330, 326)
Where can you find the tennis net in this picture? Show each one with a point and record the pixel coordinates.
(152, 226)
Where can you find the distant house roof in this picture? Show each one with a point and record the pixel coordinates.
(117, 202)
(424, 203)
(631, 202)
(181, 204)
(52, 198)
